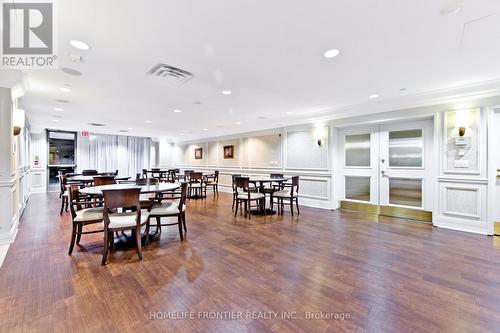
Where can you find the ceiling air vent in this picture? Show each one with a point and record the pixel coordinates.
(166, 71)
(97, 124)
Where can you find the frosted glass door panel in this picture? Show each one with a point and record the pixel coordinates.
(357, 188)
(405, 192)
(405, 148)
(357, 150)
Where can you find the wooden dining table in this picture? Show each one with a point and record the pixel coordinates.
(145, 189)
(89, 179)
(260, 182)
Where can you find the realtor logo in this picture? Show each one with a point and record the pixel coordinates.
(28, 35)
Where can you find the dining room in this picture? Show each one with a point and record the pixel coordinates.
(242, 167)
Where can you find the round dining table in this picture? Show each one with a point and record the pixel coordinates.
(88, 179)
(145, 189)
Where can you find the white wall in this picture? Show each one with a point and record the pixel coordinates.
(38, 162)
(461, 193)
(14, 167)
(291, 150)
(462, 199)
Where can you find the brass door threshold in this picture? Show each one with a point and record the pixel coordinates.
(496, 228)
(406, 213)
(359, 207)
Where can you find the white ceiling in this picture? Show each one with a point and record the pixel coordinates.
(270, 55)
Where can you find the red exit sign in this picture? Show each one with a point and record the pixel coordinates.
(85, 133)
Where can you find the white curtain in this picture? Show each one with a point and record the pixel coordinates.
(127, 154)
(138, 150)
(103, 152)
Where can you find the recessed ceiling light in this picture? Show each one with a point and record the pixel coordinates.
(451, 8)
(226, 92)
(331, 53)
(373, 96)
(148, 121)
(58, 109)
(97, 124)
(238, 123)
(65, 89)
(402, 89)
(289, 112)
(62, 101)
(79, 44)
(205, 129)
(177, 111)
(71, 71)
(181, 134)
(55, 120)
(129, 128)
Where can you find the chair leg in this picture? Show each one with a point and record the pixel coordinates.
(247, 208)
(106, 247)
(236, 210)
(158, 225)
(62, 205)
(297, 203)
(179, 223)
(79, 233)
(72, 242)
(234, 199)
(184, 221)
(271, 203)
(138, 242)
(67, 204)
(146, 234)
(291, 206)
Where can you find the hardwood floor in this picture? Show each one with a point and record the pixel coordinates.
(391, 276)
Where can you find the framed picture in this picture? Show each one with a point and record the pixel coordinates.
(198, 153)
(229, 151)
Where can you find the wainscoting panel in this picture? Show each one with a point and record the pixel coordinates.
(315, 188)
(38, 180)
(212, 153)
(462, 206)
(303, 151)
(265, 151)
(230, 162)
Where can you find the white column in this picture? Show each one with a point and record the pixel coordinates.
(8, 179)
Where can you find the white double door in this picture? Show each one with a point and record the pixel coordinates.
(388, 165)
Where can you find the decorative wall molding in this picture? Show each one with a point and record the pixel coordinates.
(9, 183)
(482, 181)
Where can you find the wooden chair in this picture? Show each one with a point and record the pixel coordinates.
(274, 186)
(197, 185)
(147, 181)
(145, 199)
(83, 213)
(213, 182)
(90, 172)
(233, 185)
(245, 194)
(172, 175)
(287, 195)
(104, 180)
(63, 193)
(133, 220)
(171, 209)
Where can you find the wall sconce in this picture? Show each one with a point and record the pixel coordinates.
(18, 118)
(462, 121)
(320, 135)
